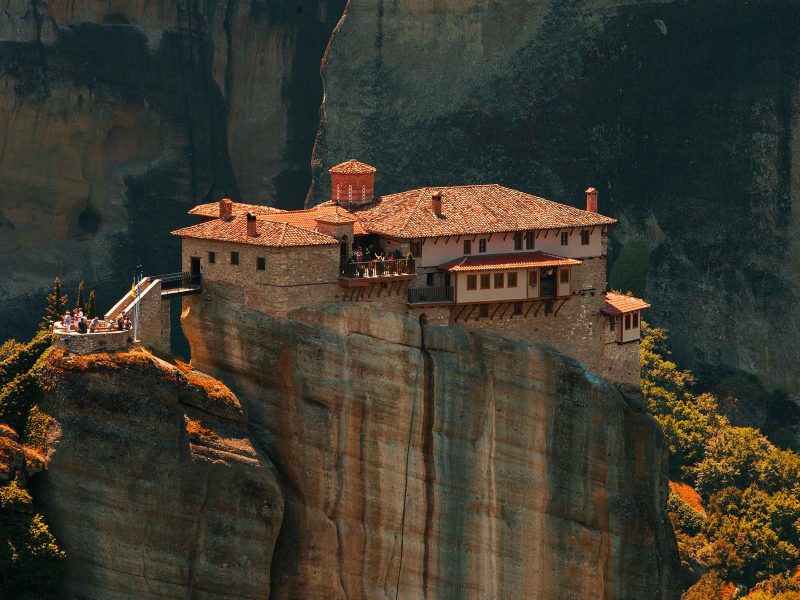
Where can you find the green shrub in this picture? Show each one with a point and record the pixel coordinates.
(24, 358)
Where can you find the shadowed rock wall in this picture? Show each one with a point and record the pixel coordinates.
(683, 115)
(428, 462)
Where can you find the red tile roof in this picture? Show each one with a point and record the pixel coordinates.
(352, 167)
(307, 219)
(496, 262)
(468, 210)
(278, 235)
(618, 304)
(211, 209)
(335, 218)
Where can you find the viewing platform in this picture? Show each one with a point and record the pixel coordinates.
(379, 277)
(174, 285)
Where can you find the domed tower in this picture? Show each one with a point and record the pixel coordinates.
(352, 183)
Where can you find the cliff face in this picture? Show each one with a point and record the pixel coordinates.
(154, 487)
(684, 115)
(421, 461)
(116, 118)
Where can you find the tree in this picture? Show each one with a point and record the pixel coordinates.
(81, 303)
(92, 306)
(56, 305)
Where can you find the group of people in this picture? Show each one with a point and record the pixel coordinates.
(362, 265)
(77, 321)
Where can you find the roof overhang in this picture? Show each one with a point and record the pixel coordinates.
(506, 262)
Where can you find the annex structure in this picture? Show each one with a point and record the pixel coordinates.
(483, 256)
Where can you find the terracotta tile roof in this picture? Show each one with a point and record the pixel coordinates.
(618, 304)
(496, 262)
(352, 167)
(307, 219)
(211, 209)
(470, 209)
(335, 218)
(279, 235)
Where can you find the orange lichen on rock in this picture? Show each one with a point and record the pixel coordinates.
(728, 590)
(196, 429)
(688, 494)
(213, 387)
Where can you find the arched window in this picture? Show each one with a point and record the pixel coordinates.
(338, 191)
(363, 193)
(349, 192)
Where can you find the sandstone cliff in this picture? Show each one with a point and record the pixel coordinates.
(683, 115)
(154, 488)
(421, 461)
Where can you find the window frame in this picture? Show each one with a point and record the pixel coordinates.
(234, 258)
(429, 279)
(467, 246)
(482, 246)
(533, 276)
(530, 241)
(416, 246)
(561, 276)
(472, 283)
(518, 241)
(511, 280)
(499, 281)
(212, 257)
(627, 321)
(485, 278)
(635, 323)
(565, 238)
(261, 263)
(585, 237)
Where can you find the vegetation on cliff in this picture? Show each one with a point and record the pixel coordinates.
(30, 559)
(735, 501)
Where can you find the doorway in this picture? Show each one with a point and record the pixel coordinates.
(194, 270)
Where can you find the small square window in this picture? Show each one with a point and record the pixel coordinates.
(485, 282)
(564, 238)
(212, 258)
(416, 249)
(472, 282)
(517, 241)
(627, 321)
(467, 246)
(564, 275)
(261, 263)
(481, 245)
(429, 279)
(517, 307)
(499, 280)
(533, 278)
(635, 320)
(483, 311)
(512, 280)
(234, 258)
(585, 237)
(529, 241)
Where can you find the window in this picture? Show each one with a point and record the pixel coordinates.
(564, 238)
(517, 241)
(212, 258)
(529, 243)
(485, 282)
(512, 280)
(483, 311)
(585, 237)
(350, 192)
(627, 321)
(612, 323)
(564, 275)
(234, 258)
(517, 307)
(338, 191)
(636, 320)
(533, 278)
(467, 246)
(499, 280)
(481, 245)
(472, 282)
(416, 249)
(261, 263)
(429, 279)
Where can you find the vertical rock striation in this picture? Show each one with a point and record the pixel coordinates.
(422, 461)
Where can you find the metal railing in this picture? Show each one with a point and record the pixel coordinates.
(425, 295)
(379, 268)
(172, 281)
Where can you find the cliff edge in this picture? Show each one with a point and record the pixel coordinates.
(425, 461)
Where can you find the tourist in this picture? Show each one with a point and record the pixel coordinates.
(94, 325)
(82, 326)
(68, 321)
(80, 313)
(121, 322)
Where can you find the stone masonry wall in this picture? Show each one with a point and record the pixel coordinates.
(88, 343)
(154, 321)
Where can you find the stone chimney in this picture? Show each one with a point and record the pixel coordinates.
(436, 204)
(591, 200)
(251, 225)
(225, 208)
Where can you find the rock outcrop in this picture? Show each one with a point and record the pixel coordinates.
(422, 461)
(685, 116)
(154, 487)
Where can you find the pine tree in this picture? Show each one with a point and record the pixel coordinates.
(56, 305)
(81, 303)
(92, 306)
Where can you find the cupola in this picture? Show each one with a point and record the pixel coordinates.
(352, 183)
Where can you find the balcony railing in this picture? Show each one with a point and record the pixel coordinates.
(174, 281)
(379, 268)
(427, 295)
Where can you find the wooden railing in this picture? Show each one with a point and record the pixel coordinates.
(425, 295)
(379, 268)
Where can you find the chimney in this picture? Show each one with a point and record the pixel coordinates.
(436, 204)
(591, 200)
(251, 225)
(225, 208)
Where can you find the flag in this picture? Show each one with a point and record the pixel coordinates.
(133, 290)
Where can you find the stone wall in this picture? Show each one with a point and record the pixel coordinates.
(154, 318)
(88, 343)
